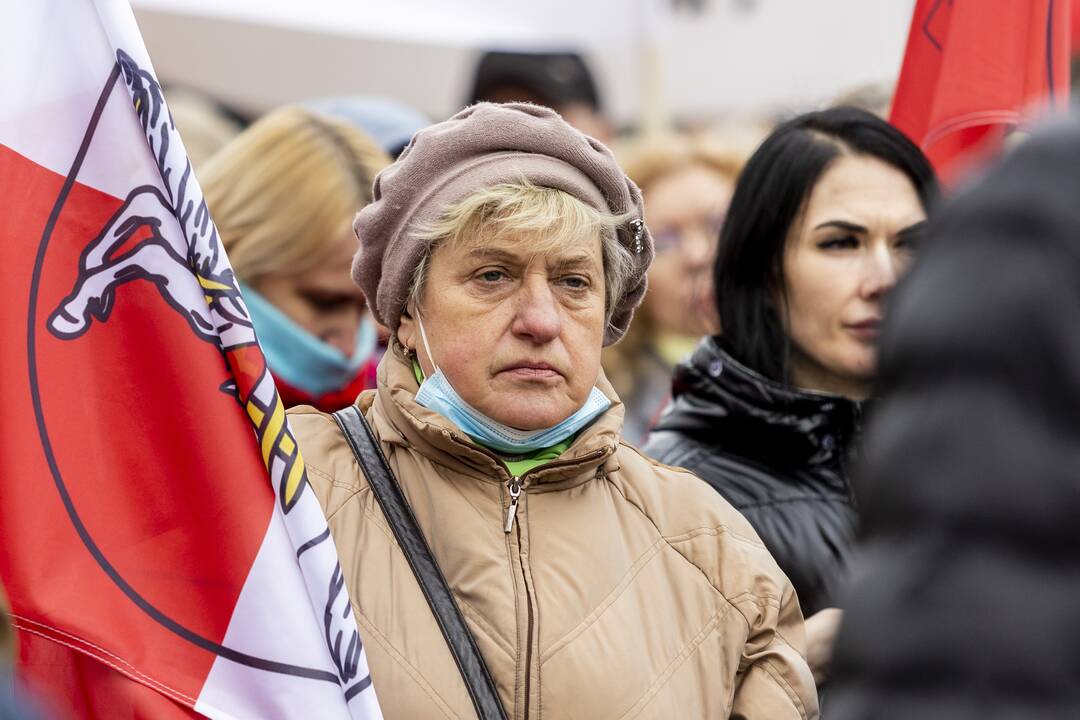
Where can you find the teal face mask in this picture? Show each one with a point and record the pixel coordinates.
(298, 357)
(437, 394)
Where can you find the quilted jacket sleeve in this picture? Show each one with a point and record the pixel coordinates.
(773, 679)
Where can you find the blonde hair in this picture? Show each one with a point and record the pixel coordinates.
(204, 125)
(647, 159)
(286, 189)
(543, 218)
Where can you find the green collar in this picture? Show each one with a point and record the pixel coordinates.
(542, 456)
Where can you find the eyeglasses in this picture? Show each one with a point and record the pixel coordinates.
(673, 237)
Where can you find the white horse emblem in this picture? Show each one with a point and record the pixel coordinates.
(190, 271)
(188, 266)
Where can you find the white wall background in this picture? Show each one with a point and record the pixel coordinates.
(716, 56)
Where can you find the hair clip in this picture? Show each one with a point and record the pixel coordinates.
(638, 228)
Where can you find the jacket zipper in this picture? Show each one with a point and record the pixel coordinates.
(528, 627)
(514, 486)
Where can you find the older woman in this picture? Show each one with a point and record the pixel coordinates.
(504, 250)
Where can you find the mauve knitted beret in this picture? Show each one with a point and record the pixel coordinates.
(488, 144)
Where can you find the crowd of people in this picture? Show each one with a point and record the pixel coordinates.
(624, 395)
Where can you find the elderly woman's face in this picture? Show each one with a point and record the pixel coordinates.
(518, 333)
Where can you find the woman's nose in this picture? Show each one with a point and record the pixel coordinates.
(342, 335)
(882, 270)
(537, 316)
(343, 340)
(696, 248)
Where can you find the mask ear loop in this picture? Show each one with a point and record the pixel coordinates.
(423, 338)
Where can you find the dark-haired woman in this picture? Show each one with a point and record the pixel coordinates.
(823, 221)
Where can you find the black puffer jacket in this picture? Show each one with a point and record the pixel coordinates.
(778, 454)
(965, 596)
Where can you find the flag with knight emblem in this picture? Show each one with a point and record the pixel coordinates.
(161, 550)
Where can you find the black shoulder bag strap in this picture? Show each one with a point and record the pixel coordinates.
(409, 536)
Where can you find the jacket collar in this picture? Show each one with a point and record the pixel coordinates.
(401, 420)
(730, 405)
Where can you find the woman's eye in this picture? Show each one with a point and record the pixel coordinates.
(911, 237)
(908, 241)
(667, 238)
(492, 276)
(845, 242)
(575, 282)
(328, 302)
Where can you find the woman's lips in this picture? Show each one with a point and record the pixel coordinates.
(867, 330)
(532, 371)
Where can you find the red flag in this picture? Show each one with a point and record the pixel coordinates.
(1074, 32)
(159, 549)
(975, 69)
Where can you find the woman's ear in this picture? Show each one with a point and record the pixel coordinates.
(406, 331)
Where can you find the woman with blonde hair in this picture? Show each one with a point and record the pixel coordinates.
(505, 552)
(283, 195)
(687, 180)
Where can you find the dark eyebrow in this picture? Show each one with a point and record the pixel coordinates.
(915, 229)
(842, 225)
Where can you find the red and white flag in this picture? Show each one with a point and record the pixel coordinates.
(159, 544)
(974, 70)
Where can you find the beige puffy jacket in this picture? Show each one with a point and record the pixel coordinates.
(625, 589)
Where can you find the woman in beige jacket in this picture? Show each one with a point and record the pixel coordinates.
(504, 249)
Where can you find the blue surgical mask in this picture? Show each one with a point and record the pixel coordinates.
(299, 358)
(436, 393)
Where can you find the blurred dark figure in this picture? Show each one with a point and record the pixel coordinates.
(823, 220)
(560, 81)
(966, 594)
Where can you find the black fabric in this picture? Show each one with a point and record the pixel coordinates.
(396, 508)
(965, 597)
(552, 79)
(777, 454)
